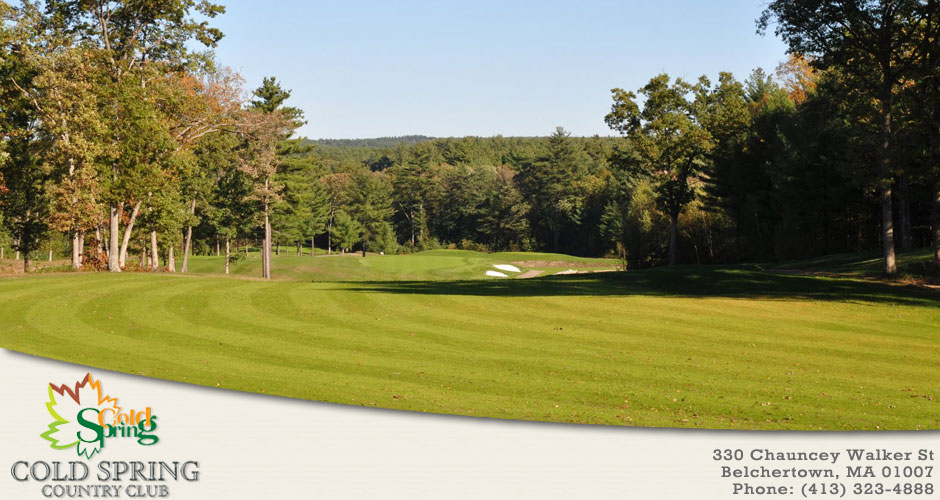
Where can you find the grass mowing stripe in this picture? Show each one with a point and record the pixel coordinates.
(662, 348)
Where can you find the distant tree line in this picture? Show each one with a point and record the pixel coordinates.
(118, 139)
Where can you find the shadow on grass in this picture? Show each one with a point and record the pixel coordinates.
(677, 282)
(914, 263)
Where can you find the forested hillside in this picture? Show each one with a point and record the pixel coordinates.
(126, 148)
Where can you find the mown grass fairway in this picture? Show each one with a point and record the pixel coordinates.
(430, 265)
(685, 347)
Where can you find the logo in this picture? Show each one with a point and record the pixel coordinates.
(84, 418)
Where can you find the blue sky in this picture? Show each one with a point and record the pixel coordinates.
(454, 68)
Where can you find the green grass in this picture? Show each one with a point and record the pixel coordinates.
(430, 265)
(913, 265)
(685, 347)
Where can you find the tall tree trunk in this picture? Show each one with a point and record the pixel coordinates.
(100, 248)
(218, 251)
(936, 225)
(76, 249)
(171, 260)
(278, 251)
(81, 248)
(674, 239)
(556, 235)
(2, 251)
(300, 248)
(114, 250)
(266, 270)
(313, 247)
(154, 251)
(188, 240)
(904, 215)
(127, 234)
(26, 243)
(227, 254)
(887, 232)
(329, 234)
(887, 210)
(50, 254)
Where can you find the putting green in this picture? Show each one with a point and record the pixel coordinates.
(686, 347)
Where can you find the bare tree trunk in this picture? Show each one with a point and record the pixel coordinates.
(887, 211)
(50, 254)
(556, 236)
(144, 259)
(936, 225)
(674, 240)
(114, 250)
(127, 234)
(76, 249)
(81, 248)
(887, 232)
(188, 240)
(98, 239)
(329, 234)
(154, 251)
(313, 247)
(278, 251)
(266, 250)
(904, 215)
(300, 247)
(227, 254)
(218, 251)
(171, 260)
(2, 251)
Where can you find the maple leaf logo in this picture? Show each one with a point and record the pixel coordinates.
(64, 405)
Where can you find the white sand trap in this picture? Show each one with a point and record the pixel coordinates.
(508, 268)
(569, 271)
(496, 274)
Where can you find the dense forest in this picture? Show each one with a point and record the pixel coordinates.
(130, 149)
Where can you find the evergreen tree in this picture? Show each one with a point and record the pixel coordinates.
(370, 205)
(554, 185)
(346, 232)
(872, 42)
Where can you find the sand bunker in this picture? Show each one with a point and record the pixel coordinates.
(496, 274)
(507, 268)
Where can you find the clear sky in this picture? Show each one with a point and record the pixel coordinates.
(452, 68)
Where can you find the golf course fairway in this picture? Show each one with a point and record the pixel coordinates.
(703, 347)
